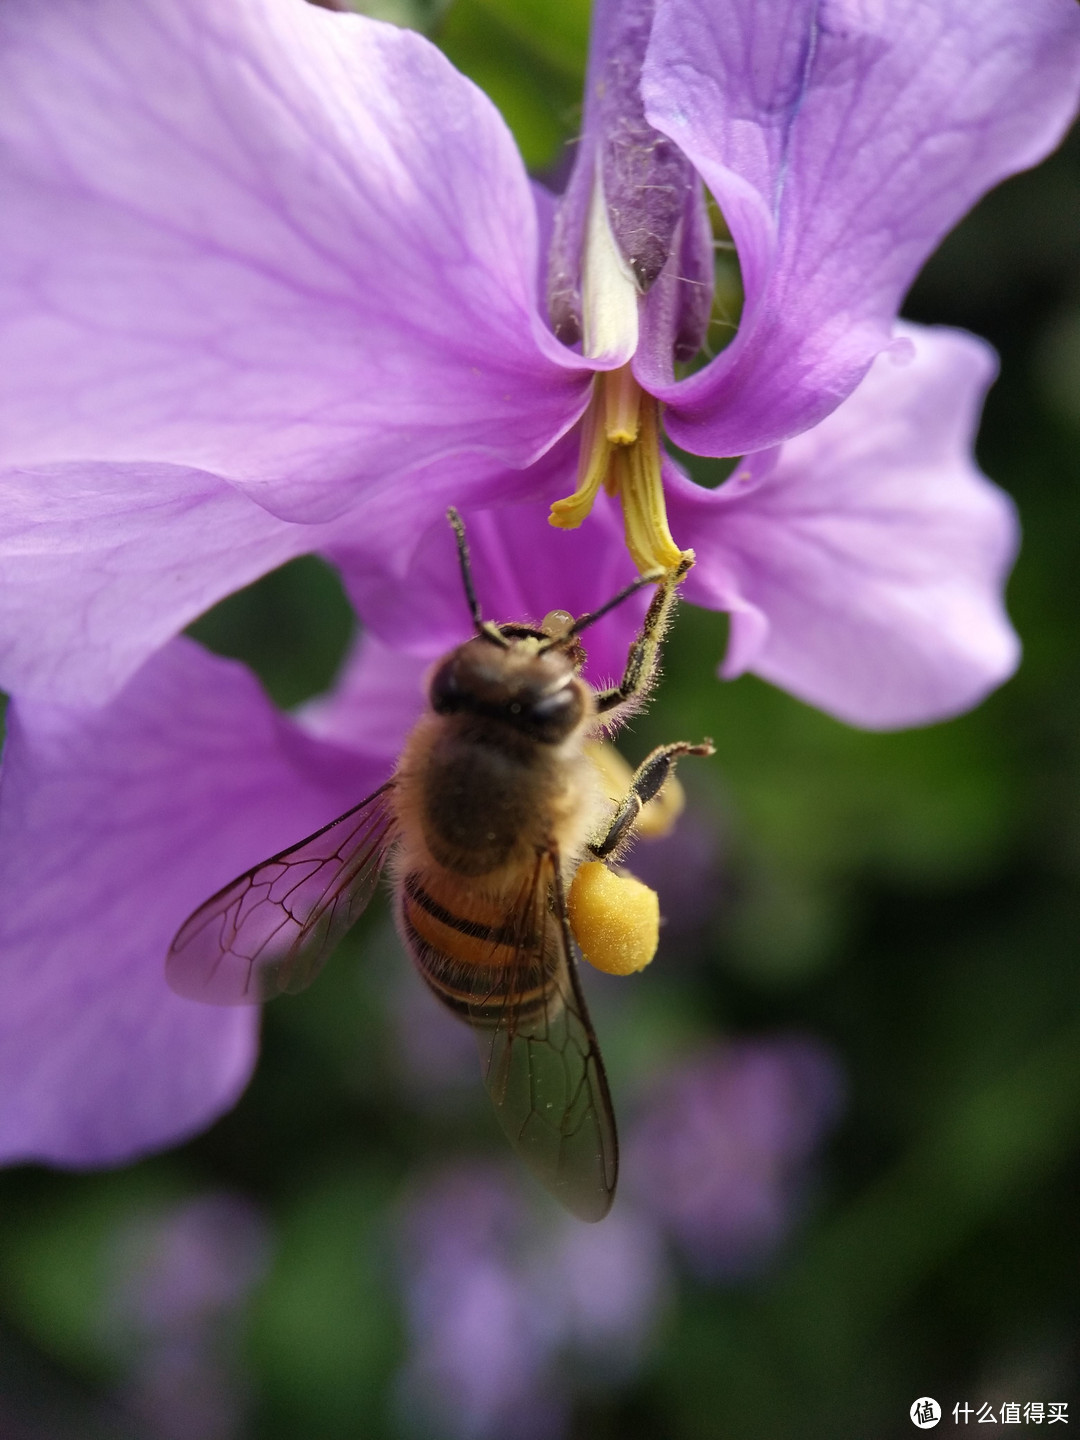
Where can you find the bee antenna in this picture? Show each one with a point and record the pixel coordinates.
(584, 621)
(483, 627)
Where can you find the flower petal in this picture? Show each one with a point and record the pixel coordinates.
(114, 825)
(101, 565)
(378, 697)
(865, 560)
(293, 248)
(842, 140)
(378, 541)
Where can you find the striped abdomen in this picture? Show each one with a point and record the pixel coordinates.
(483, 957)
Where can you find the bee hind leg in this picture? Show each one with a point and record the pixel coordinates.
(648, 779)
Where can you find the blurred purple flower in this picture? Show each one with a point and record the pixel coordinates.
(719, 1154)
(186, 1264)
(476, 1366)
(604, 1289)
(509, 1316)
(267, 264)
(178, 1283)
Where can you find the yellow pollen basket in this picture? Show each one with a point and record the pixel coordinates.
(615, 918)
(620, 449)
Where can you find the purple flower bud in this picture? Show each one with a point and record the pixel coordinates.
(647, 180)
(652, 194)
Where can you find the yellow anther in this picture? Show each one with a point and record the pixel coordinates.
(641, 491)
(620, 449)
(592, 467)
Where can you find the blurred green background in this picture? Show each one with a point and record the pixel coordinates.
(911, 900)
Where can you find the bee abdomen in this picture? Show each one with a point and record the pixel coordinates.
(476, 968)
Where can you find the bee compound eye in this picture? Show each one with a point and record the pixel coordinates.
(444, 691)
(553, 716)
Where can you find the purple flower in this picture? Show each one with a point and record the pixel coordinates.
(269, 284)
(179, 1280)
(477, 1365)
(116, 822)
(605, 1289)
(509, 1314)
(185, 1265)
(721, 1149)
(265, 264)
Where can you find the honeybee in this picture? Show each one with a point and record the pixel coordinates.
(493, 807)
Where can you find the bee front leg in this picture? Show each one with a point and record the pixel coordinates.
(648, 779)
(641, 661)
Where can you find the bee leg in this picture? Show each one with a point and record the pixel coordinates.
(648, 778)
(644, 652)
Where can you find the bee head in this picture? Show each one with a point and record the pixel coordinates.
(530, 689)
(524, 677)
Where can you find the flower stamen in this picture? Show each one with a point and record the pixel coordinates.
(620, 449)
(592, 468)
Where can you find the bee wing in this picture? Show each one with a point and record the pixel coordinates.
(271, 929)
(542, 1064)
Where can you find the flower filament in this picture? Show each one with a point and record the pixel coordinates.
(620, 450)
